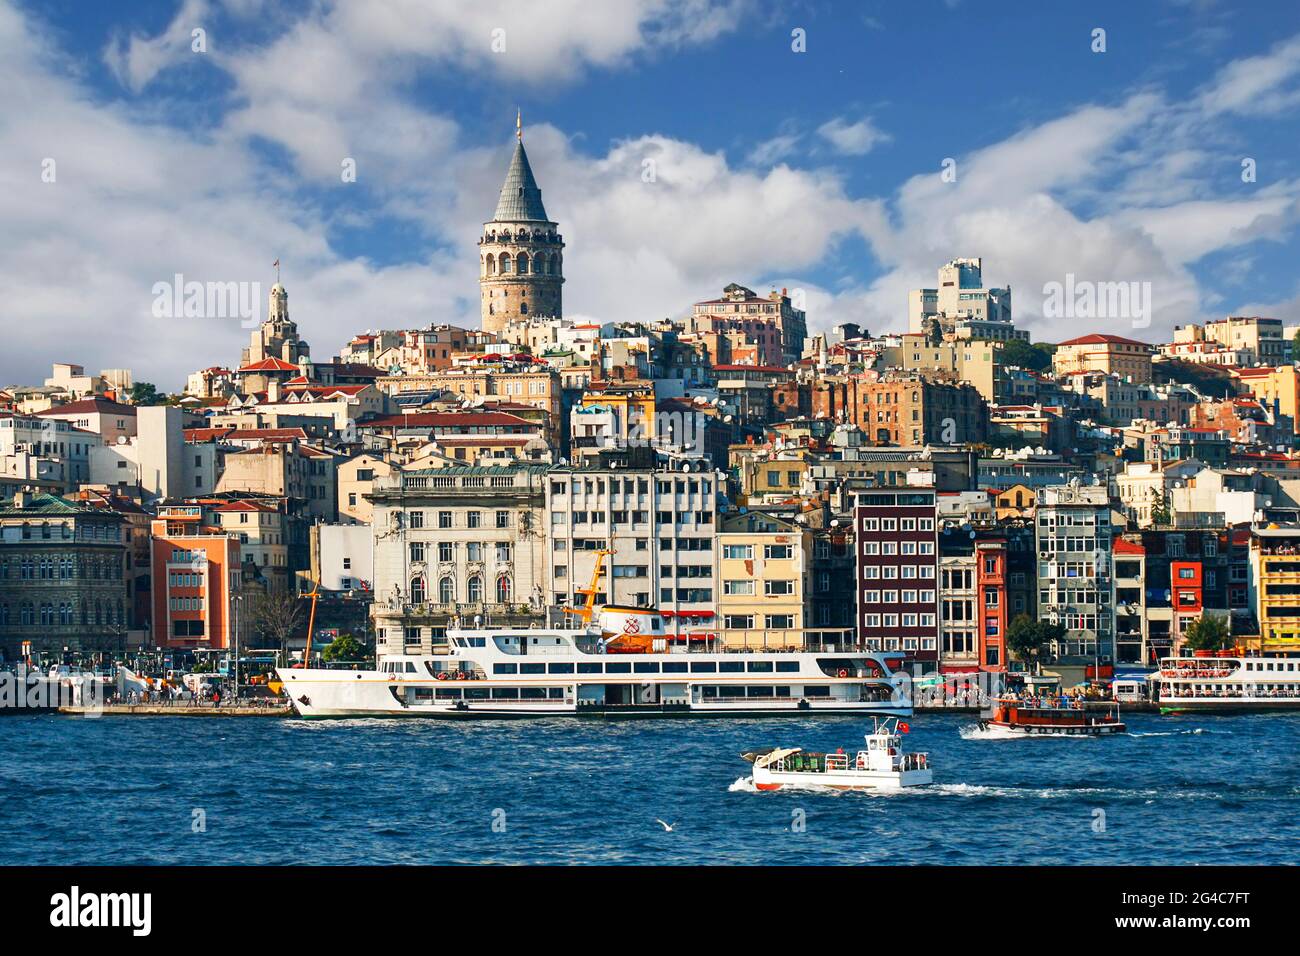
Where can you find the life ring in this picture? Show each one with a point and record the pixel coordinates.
(461, 675)
(843, 672)
(442, 675)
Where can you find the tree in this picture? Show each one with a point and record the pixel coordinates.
(1206, 634)
(345, 648)
(1161, 513)
(277, 614)
(1027, 637)
(145, 393)
(1035, 357)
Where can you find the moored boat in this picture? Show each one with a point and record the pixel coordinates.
(881, 766)
(1226, 681)
(1029, 716)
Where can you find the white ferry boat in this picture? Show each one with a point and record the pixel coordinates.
(1228, 682)
(599, 670)
(882, 766)
(615, 661)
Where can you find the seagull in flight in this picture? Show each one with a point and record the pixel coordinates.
(668, 827)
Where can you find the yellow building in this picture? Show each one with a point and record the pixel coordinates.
(613, 414)
(1274, 587)
(762, 563)
(1111, 354)
(764, 471)
(976, 361)
(1280, 384)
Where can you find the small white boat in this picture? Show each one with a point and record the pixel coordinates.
(881, 766)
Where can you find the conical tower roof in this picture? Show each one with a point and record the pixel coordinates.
(521, 199)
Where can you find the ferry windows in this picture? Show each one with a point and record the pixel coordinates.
(559, 668)
(759, 667)
(787, 667)
(445, 693)
(505, 693)
(555, 693)
(646, 667)
(619, 668)
(533, 693)
(731, 667)
(538, 668)
(761, 691)
(585, 667)
(817, 690)
(703, 667)
(675, 667)
(505, 668)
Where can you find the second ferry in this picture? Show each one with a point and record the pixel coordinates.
(613, 661)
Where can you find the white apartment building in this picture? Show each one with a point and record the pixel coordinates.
(659, 523)
(963, 305)
(1075, 575)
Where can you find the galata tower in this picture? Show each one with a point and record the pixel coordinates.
(521, 260)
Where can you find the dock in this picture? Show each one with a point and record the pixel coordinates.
(180, 710)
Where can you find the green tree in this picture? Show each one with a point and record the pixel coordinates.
(1036, 357)
(145, 393)
(1206, 634)
(1026, 637)
(1161, 513)
(345, 647)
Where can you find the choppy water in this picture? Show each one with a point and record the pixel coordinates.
(119, 790)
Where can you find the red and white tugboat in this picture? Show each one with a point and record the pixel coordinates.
(1029, 716)
(881, 766)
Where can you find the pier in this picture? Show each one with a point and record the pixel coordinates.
(182, 710)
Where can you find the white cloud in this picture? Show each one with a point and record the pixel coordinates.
(135, 60)
(852, 139)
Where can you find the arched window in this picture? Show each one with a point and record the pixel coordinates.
(474, 589)
(446, 590)
(540, 265)
(506, 264)
(491, 265)
(523, 263)
(503, 589)
(523, 308)
(417, 590)
(555, 263)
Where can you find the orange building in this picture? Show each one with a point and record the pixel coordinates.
(195, 575)
(991, 587)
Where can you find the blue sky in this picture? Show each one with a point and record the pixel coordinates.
(818, 171)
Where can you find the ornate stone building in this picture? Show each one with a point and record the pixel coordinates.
(275, 352)
(521, 263)
(62, 576)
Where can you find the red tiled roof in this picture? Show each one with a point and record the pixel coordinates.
(89, 406)
(271, 364)
(1097, 338)
(1128, 547)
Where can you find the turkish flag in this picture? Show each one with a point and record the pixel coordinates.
(903, 727)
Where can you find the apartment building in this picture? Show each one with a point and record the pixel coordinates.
(763, 565)
(196, 578)
(461, 542)
(659, 522)
(897, 573)
(1075, 574)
